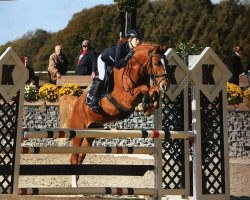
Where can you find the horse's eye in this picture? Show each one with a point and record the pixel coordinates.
(156, 63)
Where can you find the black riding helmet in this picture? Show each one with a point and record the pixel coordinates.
(134, 34)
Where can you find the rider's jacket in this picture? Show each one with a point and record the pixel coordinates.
(115, 56)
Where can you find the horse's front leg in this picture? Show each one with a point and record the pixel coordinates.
(145, 99)
(154, 97)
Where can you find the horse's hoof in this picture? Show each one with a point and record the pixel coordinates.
(151, 104)
(144, 107)
(156, 105)
(74, 181)
(139, 108)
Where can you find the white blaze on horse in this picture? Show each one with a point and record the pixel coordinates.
(140, 81)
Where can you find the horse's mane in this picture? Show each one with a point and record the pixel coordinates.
(148, 44)
(145, 45)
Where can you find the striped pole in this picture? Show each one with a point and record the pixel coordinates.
(88, 191)
(88, 150)
(113, 133)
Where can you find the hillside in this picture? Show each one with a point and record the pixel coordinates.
(199, 22)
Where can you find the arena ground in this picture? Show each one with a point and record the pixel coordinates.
(239, 177)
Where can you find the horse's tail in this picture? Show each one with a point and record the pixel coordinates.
(66, 105)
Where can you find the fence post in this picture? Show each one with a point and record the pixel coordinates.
(13, 75)
(158, 155)
(211, 159)
(175, 116)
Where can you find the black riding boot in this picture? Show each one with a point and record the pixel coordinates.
(97, 90)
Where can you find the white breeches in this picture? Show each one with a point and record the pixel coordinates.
(101, 67)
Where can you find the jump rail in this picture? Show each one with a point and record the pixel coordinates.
(88, 150)
(85, 169)
(113, 133)
(89, 191)
(85, 190)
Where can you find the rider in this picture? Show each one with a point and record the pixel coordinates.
(116, 56)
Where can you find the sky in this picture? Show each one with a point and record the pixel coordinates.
(17, 17)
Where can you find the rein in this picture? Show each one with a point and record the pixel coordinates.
(154, 76)
(148, 64)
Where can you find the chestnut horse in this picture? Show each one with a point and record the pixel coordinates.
(131, 87)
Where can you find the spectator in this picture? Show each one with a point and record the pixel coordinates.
(234, 64)
(58, 64)
(116, 56)
(32, 76)
(248, 74)
(86, 63)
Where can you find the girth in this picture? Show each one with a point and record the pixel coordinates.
(124, 113)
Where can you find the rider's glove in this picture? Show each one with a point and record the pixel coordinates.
(129, 55)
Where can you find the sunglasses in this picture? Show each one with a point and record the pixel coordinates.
(85, 46)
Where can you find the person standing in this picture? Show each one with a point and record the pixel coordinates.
(58, 64)
(86, 63)
(234, 64)
(32, 76)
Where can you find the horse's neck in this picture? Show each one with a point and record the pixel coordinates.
(128, 77)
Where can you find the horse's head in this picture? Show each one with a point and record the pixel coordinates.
(153, 60)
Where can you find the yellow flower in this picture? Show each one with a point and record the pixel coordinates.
(70, 89)
(48, 92)
(247, 96)
(234, 94)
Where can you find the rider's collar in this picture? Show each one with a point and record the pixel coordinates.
(130, 45)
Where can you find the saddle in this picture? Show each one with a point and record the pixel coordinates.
(108, 85)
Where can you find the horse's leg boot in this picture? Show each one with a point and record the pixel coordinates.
(96, 95)
(145, 102)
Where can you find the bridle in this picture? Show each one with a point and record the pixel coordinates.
(153, 74)
(148, 65)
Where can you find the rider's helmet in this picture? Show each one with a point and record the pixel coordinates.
(134, 34)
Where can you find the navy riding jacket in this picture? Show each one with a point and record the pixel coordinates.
(115, 56)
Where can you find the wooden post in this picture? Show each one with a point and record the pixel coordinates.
(211, 158)
(13, 75)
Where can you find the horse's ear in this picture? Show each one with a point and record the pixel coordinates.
(164, 48)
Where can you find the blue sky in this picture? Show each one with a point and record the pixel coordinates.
(20, 16)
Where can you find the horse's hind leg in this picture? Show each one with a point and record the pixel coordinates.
(76, 142)
(85, 143)
(75, 159)
(78, 158)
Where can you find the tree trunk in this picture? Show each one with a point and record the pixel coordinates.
(128, 21)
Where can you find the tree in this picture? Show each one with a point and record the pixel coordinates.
(128, 11)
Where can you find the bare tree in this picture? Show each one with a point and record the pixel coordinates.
(128, 11)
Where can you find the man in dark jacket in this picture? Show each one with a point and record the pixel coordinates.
(86, 63)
